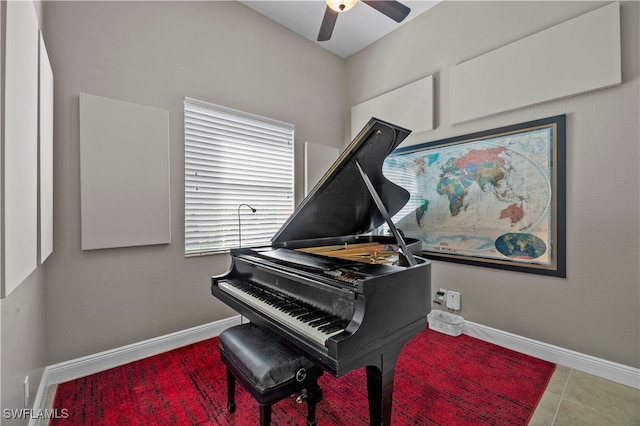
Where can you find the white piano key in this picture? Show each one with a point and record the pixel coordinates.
(283, 317)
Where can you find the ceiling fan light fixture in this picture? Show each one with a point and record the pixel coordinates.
(341, 5)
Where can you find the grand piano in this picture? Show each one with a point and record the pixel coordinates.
(341, 295)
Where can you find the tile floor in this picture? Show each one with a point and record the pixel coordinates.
(576, 398)
(572, 398)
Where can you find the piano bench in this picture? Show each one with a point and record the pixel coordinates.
(268, 369)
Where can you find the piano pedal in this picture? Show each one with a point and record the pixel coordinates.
(303, 395)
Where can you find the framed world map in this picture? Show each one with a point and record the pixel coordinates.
(494, 198)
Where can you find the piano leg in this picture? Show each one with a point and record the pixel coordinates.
(380, 388)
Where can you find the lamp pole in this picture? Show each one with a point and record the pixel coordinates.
(239, 226)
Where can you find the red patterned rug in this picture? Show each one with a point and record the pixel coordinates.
(440, 380)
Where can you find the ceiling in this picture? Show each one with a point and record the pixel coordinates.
(355, 29)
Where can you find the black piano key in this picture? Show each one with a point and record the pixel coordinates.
(308, 317)
(302, 311)
(330, 320)
(307, 314)
(320, 322)
(315, 314)
(286, 307)
(333, 322)
(335, 325)
(333, 328)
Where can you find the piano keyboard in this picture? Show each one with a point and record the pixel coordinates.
(295, 314)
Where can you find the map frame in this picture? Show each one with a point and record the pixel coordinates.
(556, 264)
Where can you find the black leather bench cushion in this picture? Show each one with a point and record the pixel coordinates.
(261, 356)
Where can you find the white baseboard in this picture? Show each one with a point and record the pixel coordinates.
(91, 364)
(609, 370)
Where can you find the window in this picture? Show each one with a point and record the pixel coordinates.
(234, 160)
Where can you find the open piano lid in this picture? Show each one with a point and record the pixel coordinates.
(340, 204)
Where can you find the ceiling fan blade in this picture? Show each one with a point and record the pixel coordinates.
(328, 22)
(393, 9)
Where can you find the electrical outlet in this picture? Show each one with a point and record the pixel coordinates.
(26, 391)
(453, 300)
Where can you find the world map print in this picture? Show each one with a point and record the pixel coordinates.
(488, 198)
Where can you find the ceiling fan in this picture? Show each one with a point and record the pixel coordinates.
(393, 9)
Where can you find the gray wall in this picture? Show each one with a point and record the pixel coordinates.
(595, 310)
(155, 53)
(23, 340)
(152, 53)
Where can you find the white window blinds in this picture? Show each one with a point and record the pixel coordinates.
(234, 159)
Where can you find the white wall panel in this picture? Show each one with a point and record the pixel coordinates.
(2, 37)
(20, 144)
(46, 154)
(124, 173)
(409, 106)
(577, 56)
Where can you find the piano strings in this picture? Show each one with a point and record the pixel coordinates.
(372, 252)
